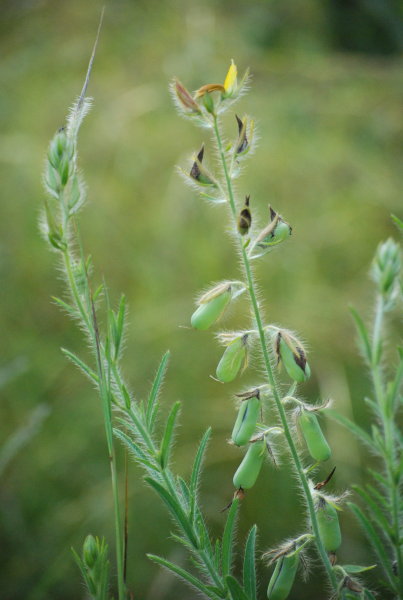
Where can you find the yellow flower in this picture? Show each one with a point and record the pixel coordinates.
(230, 83)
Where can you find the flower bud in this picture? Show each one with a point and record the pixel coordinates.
(246, 421)
(328, 524)
(291, 353)
(386, 266)
(283, 576)
(90, 551)
(318, 447)
(249, 469)
(211, 310)
(273, 234)
(184, 99)
(245, 218)
(233, 359)
(230, 83)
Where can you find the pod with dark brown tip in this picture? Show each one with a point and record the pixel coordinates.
(328, 523)
(291, 353)
(248, 471)
(245, 423)
(316, 442)
(233, 359)
(283, 576)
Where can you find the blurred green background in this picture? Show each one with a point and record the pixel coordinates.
(327, 97)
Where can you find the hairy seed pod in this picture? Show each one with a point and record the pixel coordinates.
(283, 576)
(233, 359)
(292, 355)
(247, 473)
(245, 218)
(318, 447)
(245, 423)
(273, 234)
(328, 523)
(209, 312)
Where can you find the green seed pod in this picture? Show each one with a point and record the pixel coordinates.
(245, 423)
(282, 580)
(247, 473)
(292, 355)
(328, 523)
(274, 233)
(233, 359)
(318, 447)
(208, 312)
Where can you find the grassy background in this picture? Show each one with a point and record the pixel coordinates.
(327, 100)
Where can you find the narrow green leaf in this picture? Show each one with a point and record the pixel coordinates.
(379, 478)
(198, 461)
(186, 494)
(236, 591)
(217, 555)
(67, 307)
(377, 514)
(152, 403)
(353, 428)
(393, 390)
(374, 540)
(118, 324)
(175, 509)
(377, 497)
(227, 539)
(182, 574)
(81, 365)
(397, 221)
(97, 292)
(166, 441)
(357, 568)
(249, 567)
(362, 334)
(138, 453)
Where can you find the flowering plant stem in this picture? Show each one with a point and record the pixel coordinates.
(89, 320)
(269, 371)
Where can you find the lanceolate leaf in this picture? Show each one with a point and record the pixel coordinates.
(194, 478)
(136, 450)
(355, 429)
(375, 541)
(377, 514)
(227, 539)
(249, 567)
(175, 509)
(357, 569)
(188, 577)
(81, 365)
(362, 333)
(166, 441)
(152, 403)
(236, 591)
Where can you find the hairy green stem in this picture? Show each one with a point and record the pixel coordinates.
(269, 370)
(92, 329)
(388, 433)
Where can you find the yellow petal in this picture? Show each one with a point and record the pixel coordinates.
(230, 80)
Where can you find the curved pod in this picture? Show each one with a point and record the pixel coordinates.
(316, 442)
(328, 523)
(248, 471)
(282, 580)
(209, 312)
(232, 360)
(245, 423)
